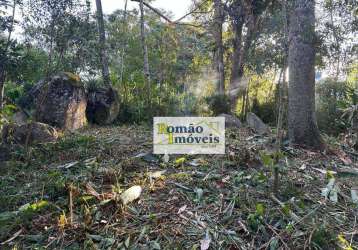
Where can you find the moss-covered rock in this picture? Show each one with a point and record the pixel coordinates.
(29, 133)
(62, 102)
(231, 121)
(103, 106)
(255, 123)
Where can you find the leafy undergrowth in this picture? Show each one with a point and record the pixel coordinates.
(66, 195)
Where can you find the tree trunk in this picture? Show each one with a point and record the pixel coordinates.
(241, 46)
(145, 53)
(102, 44)
(49, 67)
(2, 68)
(123, 52)
(2, 85)
(236, 69)
(302, 124)
(219, 48)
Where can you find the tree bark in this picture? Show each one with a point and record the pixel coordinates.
(219, 48)
(125, 42)
(236, 73)
(146, 70)
(2, 67)
(302, 124)
(102, 44)
(2, 85)
(242, 15)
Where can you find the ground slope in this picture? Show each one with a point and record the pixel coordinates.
(66, 195)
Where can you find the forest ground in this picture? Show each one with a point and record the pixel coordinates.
(65, 195)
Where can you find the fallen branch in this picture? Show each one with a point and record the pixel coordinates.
(294, 224)
(177, 22)
(154, 10)
(191, 12)
(295, 217)
(12, 238)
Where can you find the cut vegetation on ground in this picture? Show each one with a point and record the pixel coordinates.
(70, 194)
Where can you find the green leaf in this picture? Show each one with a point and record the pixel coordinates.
(180, 161)
(260, 209)
(266, 159)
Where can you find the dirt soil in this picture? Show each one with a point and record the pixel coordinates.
(66, 195)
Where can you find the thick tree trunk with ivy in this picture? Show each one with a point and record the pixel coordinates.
(145, 52)
(302, 125)
(102, 44)
(219, 48)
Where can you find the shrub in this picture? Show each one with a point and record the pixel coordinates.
(266, 111)
(219, 104)
(130, 113)
(332, 98)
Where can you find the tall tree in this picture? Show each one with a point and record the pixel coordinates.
(219, 48)
(10, 27)
(145, 52)
(245, 23)
(302, 125)
(64, 29)
(102, 43)
(237, 22)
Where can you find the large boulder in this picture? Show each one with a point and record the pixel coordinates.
(103, 106)
(62, 102)
(29, 133)
(231, 121)
(256, 124)
(20, 118)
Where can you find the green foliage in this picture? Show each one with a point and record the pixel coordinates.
(289, 190)
(13, 91)
(5, 114)
(80, 141)
(265, 110)
(219, 104)
(345, 244)
(332, 99)
(178, 53)
(262, 93)
(351, 114)
(269, 159)
(336, 31)
(31, 208)
(65, 29)
(272, 162)
(10, 220)
(30, 68)
(132, 113)
(323, 237)
(255, 219)
(10, 55)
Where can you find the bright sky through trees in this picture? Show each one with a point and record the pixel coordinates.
(177, 7)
